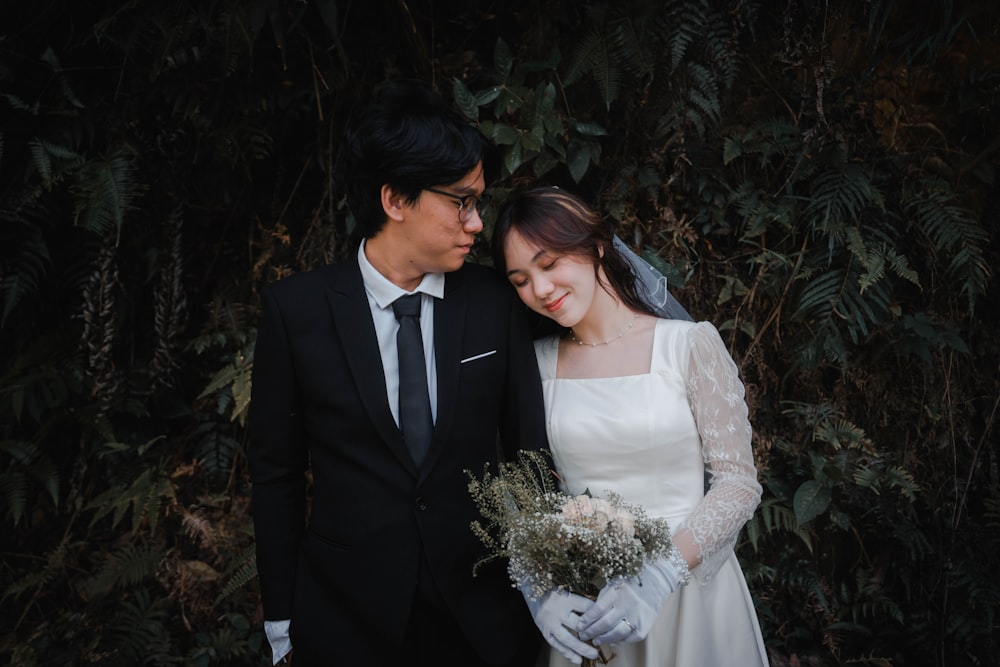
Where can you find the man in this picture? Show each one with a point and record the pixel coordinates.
(381, 573)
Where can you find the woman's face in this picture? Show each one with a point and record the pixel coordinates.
(560, 287)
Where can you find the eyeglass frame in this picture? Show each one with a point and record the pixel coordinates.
(479, 203)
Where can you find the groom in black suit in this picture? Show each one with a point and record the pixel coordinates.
(371, 564)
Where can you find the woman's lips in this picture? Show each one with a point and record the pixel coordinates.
(555, 305)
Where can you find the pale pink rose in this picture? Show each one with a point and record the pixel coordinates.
(577, 507)
(598, 514)
(626, 521)
(601, 506)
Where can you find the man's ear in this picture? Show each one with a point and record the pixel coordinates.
(393, 203)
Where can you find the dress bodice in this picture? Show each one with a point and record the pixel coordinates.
(634, 435)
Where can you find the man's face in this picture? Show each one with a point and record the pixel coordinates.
(436, 238)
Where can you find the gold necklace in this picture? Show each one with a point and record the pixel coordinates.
(572, 334)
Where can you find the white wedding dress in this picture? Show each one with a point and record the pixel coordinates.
(650, 438)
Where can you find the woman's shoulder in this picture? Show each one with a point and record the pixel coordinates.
(686, 328)
(674, 330)
(677, 340)
(547, 353)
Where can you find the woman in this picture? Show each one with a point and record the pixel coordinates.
(642, 406)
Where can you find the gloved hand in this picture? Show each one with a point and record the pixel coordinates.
(555, 613)
(626, 610)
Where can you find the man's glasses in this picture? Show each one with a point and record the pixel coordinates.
(466, 203)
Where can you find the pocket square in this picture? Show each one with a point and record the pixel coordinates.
(478, 356)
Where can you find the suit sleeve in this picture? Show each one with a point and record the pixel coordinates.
(277, 460)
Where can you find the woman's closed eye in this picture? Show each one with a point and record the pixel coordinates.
(518, 280)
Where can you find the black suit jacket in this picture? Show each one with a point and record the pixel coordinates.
(347, 577)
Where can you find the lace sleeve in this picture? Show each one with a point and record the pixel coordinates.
(716, 396)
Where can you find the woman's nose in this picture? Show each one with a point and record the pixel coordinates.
(543, 287)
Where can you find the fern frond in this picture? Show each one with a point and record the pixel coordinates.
(818, 297)
(899, 478)
(770, 139)
(611, 50)
(22, 276)
(833, 347)
(703, 92)
(242, 571)
(868, 476)
(237, 376)
(720, 46)
(216, 446)
(858, 311)
(601, 62)
(28, 462)
(14, 490)
(580, 60)
(689, 19)
(953, 233)
(39, 379)
(124, 568)
(900, 265)
(838, 198)
(169, 304)
(841, 433)
(53, 161)
(104, 192)
(875, 475)
(876, 260)
(139, 629)
(871, 602)
(39, 577)
(771, 517)
(142, 497)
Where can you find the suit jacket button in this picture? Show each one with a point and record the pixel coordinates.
(421, 505)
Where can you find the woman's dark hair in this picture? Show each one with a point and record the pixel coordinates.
(558, 221)
(409, 138)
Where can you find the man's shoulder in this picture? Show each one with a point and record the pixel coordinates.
(310, 279)
(478, 275)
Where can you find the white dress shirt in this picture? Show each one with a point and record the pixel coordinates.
(381, 293)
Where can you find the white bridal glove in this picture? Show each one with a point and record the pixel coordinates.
(626, 610)
(556, 612)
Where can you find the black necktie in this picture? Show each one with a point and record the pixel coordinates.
(414, 401)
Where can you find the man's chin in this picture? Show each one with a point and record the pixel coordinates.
(455, 264)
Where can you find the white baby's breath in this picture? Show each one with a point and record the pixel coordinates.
(555, 540)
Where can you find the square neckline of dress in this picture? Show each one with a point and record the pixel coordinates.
(649, 361)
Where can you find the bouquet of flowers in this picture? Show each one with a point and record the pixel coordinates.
(555, 540)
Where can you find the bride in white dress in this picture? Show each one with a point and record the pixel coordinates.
(642, 406)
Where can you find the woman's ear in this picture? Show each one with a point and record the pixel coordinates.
(393, 203)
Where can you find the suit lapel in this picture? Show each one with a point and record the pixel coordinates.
(352, 320)
(449, 328)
